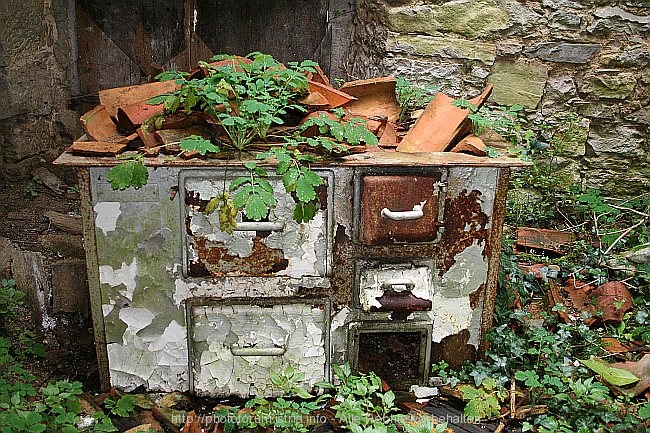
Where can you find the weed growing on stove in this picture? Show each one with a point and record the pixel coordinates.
(246, 99)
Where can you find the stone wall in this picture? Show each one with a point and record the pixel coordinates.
(37, 78)
(554, 57)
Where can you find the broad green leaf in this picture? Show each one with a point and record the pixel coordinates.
(199, 144)
(236, 183)
(644, 411)
(156, 100)
(305, 190)
(615, 376)
(290, 177)
(255, 208)
(312, 177)
(241, 197)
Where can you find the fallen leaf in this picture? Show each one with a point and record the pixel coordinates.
(641, 369)
(613, 375)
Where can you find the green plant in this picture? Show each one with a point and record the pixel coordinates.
(247, 99)
(484, 401)
(32, 187)
(10, 296)
(122, 407)
(412, 97)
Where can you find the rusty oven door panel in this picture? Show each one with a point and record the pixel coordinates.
(235, 344)
(400, 208)
(278, 246)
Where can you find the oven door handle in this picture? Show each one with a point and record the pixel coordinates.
(408, 215)
(260, 226)
(237, 350)
(396, 282)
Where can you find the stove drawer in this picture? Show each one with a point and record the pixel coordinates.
(399, 208)
(399, 287)
(235, 344)
(278, 246)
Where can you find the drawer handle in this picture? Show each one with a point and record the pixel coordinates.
(406, 282)
(257, 351)
(261, 226)
(414, 214)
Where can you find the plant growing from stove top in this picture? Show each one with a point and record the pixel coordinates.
(253, 104)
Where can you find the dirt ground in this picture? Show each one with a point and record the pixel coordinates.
(70, 346)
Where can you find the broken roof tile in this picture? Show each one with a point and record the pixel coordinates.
(470, 144)
(99, 126)
(335, 98)
(375, 97)
(543, 239)
(440, 125)
(117, 97)
(97, 148)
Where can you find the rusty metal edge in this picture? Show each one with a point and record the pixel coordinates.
(92, 266)
(490, 290)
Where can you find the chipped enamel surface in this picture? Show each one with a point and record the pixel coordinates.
(375, 282)
(236, 345)
(107, 214)
(184, 306)
(279, 247)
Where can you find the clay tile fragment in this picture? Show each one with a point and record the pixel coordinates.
(335, 98)
(576, 298)
(129, 117)
(471, 144)
(315, 100)
(117, 97)
(543, 239)
(375, 97)
(440, 125)
(97, 148)
(320, 77)
(388, 136)
(99, 126)
(613, 300)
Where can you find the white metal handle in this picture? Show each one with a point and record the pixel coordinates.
(414, 214)
(407, 283)
(257, 351)
(261, 226)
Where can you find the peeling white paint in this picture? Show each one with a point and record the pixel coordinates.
(106, 309)
(340, 319)
(450, 316)
(181, 291)
(467, 274)
(373, 280)
(107, 214)
(297, 329)
(310, 235)
(124, 275)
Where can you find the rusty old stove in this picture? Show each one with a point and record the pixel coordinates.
(397, 269)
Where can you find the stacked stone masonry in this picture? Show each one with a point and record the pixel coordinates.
(554, 57)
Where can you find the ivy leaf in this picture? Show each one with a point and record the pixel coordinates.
(197, 143)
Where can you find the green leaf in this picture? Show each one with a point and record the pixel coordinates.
(305, 190)
(644, 411)
(128, 174)
(290, 177)
(256, 208)
(199, 144)
(615, 376)
(156, 100)
(312, 177)
(212, 205)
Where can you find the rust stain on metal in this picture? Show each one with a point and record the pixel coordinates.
(454, 350)
(465, 223)
(398, 193)
(216, 260)
(193, 198)
(476, 297)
